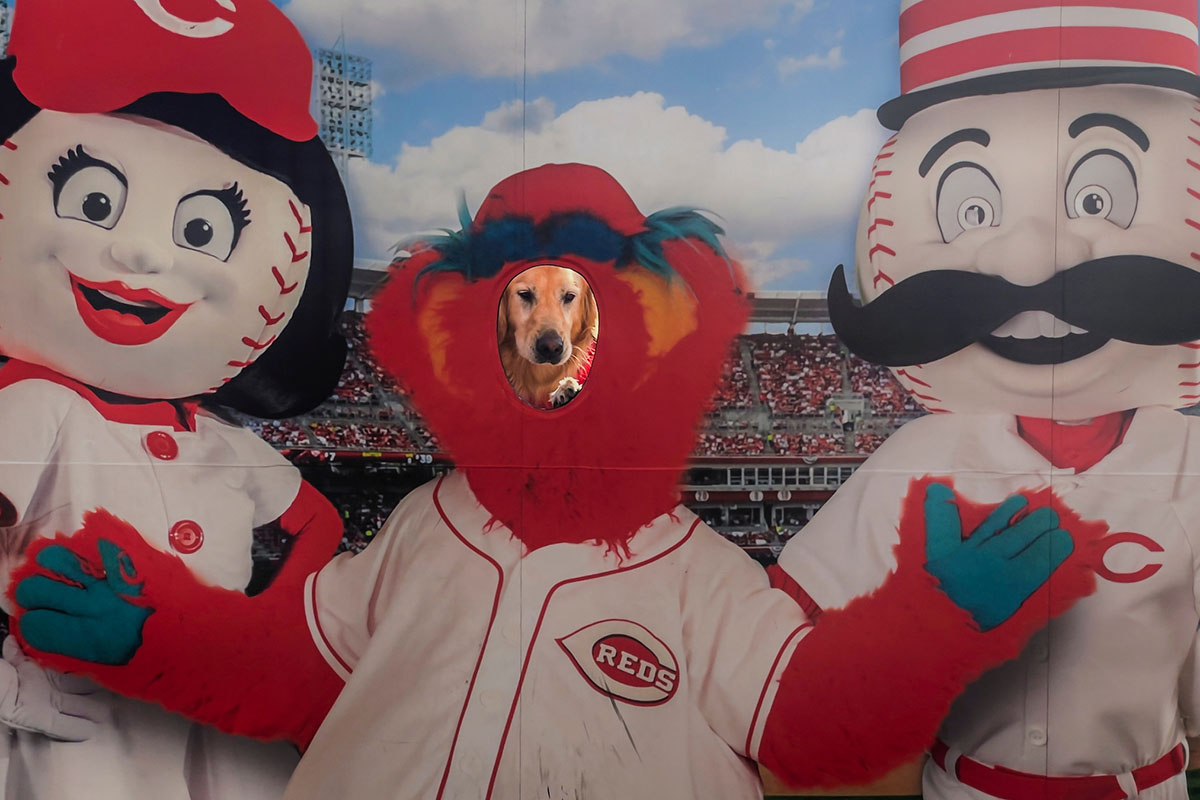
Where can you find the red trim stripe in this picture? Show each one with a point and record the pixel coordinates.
(1013, 48)
(312, 602)
(879, 248)
(533, 639)
(483, 647)
(763, 694)
(931, 14)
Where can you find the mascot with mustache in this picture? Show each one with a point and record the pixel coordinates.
(1029, 262)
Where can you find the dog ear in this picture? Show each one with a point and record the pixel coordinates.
(589, 317)
(502, 326)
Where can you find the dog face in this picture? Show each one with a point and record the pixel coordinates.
(547, 312)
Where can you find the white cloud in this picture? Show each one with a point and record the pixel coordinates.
(516, 115)
(831, 60)
(663, 155)
(801, 8)
(487, 37)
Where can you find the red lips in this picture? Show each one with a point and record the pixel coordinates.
(137, 317)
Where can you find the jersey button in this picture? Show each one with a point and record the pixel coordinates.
(1037, 736)
(162, 445)
(186, 537)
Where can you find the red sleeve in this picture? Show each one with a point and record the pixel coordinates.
(866, 690)
(317, 529)
(246, 665)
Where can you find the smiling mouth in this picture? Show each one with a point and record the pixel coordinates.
(121, 315)
(1037, 337)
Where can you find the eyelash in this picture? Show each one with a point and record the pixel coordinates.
(235, 201)
(239, 210)
(72, 162)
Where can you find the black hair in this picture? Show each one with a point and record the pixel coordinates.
(302, 367)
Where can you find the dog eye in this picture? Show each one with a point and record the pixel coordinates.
(568, 297)
(526, 295)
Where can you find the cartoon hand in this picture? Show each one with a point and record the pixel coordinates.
(994, 570)
(77, 610)
(63, 707)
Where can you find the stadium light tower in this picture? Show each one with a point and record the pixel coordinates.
(344, 102)
(4, 22)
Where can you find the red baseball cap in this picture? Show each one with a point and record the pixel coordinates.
(97, 56)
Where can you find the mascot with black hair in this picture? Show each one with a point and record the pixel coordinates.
(174, 239)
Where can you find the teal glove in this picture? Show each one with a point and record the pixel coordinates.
(994, 570)
(77, 614)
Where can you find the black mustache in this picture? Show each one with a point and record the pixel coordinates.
(1134, 298)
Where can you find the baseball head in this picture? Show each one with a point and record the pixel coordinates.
(1054, 235)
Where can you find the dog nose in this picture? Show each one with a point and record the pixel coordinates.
(548, 348)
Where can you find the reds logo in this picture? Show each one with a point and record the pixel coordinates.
(622, 659)
(193, 30)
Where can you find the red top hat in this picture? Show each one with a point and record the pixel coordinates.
(955, 48)
(96, 56)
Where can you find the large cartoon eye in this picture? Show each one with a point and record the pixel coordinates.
(967, 198)
(1103, 185)
(88, 189)
(211, 222)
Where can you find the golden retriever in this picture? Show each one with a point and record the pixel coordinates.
(547, 326)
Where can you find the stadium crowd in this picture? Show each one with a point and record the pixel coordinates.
(796, 374)
(774, 392)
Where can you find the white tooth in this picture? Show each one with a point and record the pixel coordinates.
(1035, 324)
(1054, 327)
(142, 303)
(1025, 325)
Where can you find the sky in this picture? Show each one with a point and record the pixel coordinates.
(761, 112)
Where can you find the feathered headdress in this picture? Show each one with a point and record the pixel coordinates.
(670, 301)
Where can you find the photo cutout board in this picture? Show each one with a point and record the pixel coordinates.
(784, 399)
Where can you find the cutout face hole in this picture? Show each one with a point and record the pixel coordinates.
(546, 329)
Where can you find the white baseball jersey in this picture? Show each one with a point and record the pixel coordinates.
(476, 670)
(1105, 688)
(197, 493)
